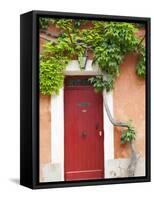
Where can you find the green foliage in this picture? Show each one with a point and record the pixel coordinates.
(109, 42)
(118, 40)
(56, 55)
(128, 135)
(51, 76)
(52, 64)
(141, 69)
(100, 84)
(43, 22)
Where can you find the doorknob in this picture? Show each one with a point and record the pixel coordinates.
(100, 133)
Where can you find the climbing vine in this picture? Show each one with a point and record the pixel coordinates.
(44, 22)
(100, 84)
(109, 43)
(128, 134)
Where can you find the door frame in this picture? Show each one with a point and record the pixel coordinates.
(57, 132)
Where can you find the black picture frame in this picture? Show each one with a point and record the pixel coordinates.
(29, 100)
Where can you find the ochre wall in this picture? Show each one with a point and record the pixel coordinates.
(129, 104)
(45, 130)
(45, 120)
(45, 123)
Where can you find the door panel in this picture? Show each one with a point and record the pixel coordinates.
(84, 154)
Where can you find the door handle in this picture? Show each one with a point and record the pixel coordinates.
(100, 133)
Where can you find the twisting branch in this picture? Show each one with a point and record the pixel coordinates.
(142, 39)
(51, 34)
(133, 162)
(115, 123)
(45, 38)
(132, 166)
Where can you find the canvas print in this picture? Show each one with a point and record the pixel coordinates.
(92, 77)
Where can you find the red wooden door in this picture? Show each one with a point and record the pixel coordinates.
(84, 138)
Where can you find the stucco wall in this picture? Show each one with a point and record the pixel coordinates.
(129, 104)
(45, 131)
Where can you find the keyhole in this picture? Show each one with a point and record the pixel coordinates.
(97, 126)
(84, 134)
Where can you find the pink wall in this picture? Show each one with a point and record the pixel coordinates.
(129, 104)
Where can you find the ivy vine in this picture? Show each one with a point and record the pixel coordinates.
(128, 134)
(109, 42)
(43, 22)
